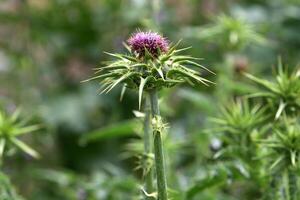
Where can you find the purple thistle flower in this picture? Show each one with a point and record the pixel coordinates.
(154, 43)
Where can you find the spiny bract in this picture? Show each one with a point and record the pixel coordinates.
(150, 64)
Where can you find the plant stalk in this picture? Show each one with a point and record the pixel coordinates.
(292, 187)
(158, 147)
(148, 173)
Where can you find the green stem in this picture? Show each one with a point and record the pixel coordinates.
(273, 192)
(158, 148)
(292, 182)
(148, 149)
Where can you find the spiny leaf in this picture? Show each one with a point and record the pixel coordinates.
(125, 76)
(280, 109)
(15, 115)
(27, 129)
(141, 89)
(182, 49)
(263, 83)
(196, 64)
(99, 77)
(24, 147)
(173, 48)
(184, 58)
(2, 146)
(112, 68)
(123, 91)
(197, 78)
(276, 162)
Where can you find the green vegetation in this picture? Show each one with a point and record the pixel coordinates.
(225, 127)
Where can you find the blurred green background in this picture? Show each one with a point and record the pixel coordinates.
(88, 140)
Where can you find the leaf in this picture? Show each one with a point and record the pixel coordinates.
(141, 89)
(293, 157)
(183, 49)
(260, 94)
(208, 182)
(15, 115)
(27, 129)
(160, 72)
(115, 55)
(24, 147)
(2, 146)
(122, 78)
(99, 77)
(173, 48)
(263, 83)
(280, 109)
(138, 114)
(113, 67)
(184, 58)
(190, 75)
(276, 162)
(62, 178)
(120, 129)
(149, 196)
(123, 91)
(198, 65)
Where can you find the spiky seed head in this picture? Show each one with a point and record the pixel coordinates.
(155, 44)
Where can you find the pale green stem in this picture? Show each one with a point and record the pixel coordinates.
(148, 149)
(158, 149)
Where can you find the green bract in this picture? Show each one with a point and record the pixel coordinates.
(10, 128)
(148, 73)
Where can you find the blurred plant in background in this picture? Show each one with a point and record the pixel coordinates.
(12, 127)
(48, 47)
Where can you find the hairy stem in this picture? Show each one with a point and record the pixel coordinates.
(148, 175)
(158, 147)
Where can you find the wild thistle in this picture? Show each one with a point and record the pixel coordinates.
(230, 33)
(269, 131)
(239, 125)
(151, 64)
(284, 157)
(10, 128)
(281, 95)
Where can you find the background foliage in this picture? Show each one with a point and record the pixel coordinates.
(88, 142)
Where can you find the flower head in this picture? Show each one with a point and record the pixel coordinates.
(152, 42)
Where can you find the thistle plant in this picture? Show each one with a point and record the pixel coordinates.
(150, 65)
(283, 156)
(261, 134)
(10, 128)
(239, 124)
(281, 95)
(239, 121)
(231, 33)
